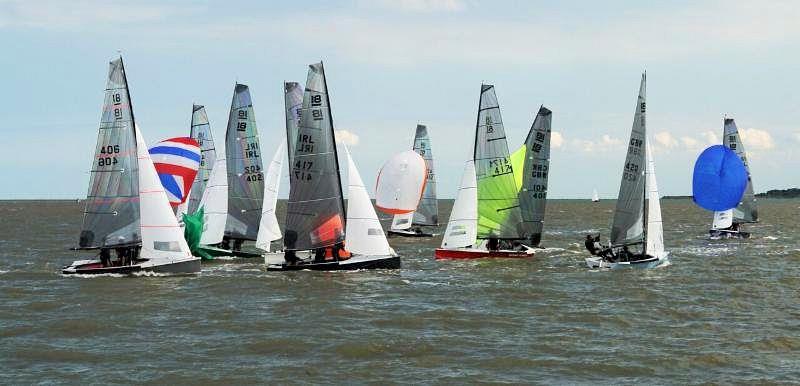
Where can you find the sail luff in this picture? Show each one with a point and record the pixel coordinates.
(533, 192)
(628, 226)
(499, 214)
(427, 212)
(244, 166)
(111, 215)
(746, 211)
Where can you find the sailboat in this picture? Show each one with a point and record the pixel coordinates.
(315, 218)
(487, 204)
(245, 179)
(728, 224)
(200, 131)
(595, 196)
(637, 217)
(427, 213)
(126, 208)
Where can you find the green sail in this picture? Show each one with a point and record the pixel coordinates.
(192, 231)
(499, 215)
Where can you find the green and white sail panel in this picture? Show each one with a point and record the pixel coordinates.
(111, 215)
(746, 211)
(655, 228)
(535, 170)
(627, 227)
(499, 213)
(293, 102)
(200, 131)
(428, 210)
(315, 211)
(245, 171)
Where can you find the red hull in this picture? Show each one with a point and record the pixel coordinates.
(442, 254)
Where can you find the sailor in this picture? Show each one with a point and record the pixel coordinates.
(592, 244)
(493, 244)
(290, 256)
(625, 254)
(105, 257)
(237, 244)
(226, 243)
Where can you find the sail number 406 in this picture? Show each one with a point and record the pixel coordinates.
(110, 158)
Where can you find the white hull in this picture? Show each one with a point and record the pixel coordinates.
(597, 262)
(271, 258)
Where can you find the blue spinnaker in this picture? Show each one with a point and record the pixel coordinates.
(719, 179)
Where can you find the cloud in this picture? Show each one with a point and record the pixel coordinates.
(605, 144)
(690, 143)
(797, 137)
(346, 137)
(711, 138)
(556, 140)
(756, 139)
(54, 14)
(666, 140)
(424, 6)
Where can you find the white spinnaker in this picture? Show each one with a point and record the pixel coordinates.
(655, 229)
(363, 232)
(162, 237)
(462, 228)
(595, 196)
(723, 219)
(268, 229)
(401, 182)
(402, 221)
(215, 203)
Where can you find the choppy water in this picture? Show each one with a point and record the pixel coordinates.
(723, 311)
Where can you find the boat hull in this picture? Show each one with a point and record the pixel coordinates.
(219, 252)
(450, 254)
(719, 234)
(354, 263)
(95, 267)
(597, 262)
(405, 233)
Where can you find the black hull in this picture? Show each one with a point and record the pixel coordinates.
(384, 262)
(723, 234)
(183, 267)
(219, 252)
(392, 233)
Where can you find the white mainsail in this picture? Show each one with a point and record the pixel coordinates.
(402, 221)
(215, 204)
(723, 219)
(363, 232)
(462, 227)
(269, 230)
(595, 196)
(162, 237)
(655, 228)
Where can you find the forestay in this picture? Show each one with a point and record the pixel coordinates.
(315, 210)
(200, 131)
(533, 192)
(245, 174)
(462, 228)
(293, 102)
(655, 228)
(428, 210)
(746, 211)
(498, 205)
(111, 215)
(364, 233)
(628, 216)
(270, 230)
(215, 204)
(162, 237)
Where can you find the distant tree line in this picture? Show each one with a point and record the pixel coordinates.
(781, 193)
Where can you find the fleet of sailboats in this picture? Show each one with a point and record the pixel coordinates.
(499, 210)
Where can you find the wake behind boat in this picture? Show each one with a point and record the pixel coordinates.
(637, 218)
(315, 215)
(127, 208)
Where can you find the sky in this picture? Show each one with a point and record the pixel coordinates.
(395, 63)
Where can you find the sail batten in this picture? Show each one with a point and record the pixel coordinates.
(746, 211)
(315, 216)
(244, 167)
(628, 227)
(499, 215)
(111, 215)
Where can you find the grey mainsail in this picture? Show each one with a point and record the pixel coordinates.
(533, 195)
(315, 211)
(293, 102)
(746, 211)
(111, 216)
(428, 209)
(499, 214)
(627, 227)
(245, 171)
(200, 131)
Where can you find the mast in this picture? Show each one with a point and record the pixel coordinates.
(128, 93)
